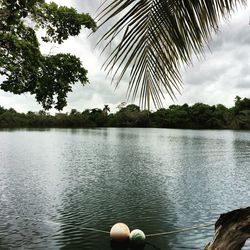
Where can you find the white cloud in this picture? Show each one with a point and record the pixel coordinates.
(223, 74)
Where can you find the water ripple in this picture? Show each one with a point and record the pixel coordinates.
(153, 179)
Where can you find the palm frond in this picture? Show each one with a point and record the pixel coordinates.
(157, 37)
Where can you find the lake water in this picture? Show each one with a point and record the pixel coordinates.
(55, 182)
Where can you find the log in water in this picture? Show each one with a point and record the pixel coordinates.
(231, 230)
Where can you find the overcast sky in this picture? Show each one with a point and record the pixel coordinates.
(223, 74)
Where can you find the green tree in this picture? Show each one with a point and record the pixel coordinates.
(238, 117)
(127, 116)
(174, 117)
(130, 108)
(245, 119)
(24, 68)
(220, 116)
(156, 38)
(198, 116)
(178, 116)
(241, 104)
(106, 109)
(2, 110)
(160, 118)
(98, 117)
(201, 115)
(121, 105)
(74, 112)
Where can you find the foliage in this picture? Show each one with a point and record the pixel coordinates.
(106, 109)
(197, 116)
(155, 37)
(241, 105)
(24, 68)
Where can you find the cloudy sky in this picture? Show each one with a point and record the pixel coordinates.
(218, 78)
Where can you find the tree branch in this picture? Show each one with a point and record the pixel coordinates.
(231, 230)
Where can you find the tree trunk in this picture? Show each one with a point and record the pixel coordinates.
(231, 230)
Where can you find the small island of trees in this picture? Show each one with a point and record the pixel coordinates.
(197, 116)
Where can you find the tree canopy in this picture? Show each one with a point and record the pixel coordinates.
(197, 116)
(23, 67)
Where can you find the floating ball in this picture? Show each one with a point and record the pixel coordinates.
(120, 232)
(137, 237)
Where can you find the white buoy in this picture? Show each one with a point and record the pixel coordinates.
(137, 237)
(120, 232)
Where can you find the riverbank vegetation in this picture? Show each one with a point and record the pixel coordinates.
(197, 116)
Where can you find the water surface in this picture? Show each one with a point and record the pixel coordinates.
(55, 182)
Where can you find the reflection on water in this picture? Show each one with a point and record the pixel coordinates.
(55, 182)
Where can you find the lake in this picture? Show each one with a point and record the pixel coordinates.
(55, 182)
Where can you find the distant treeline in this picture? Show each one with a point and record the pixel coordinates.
(197, 116)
